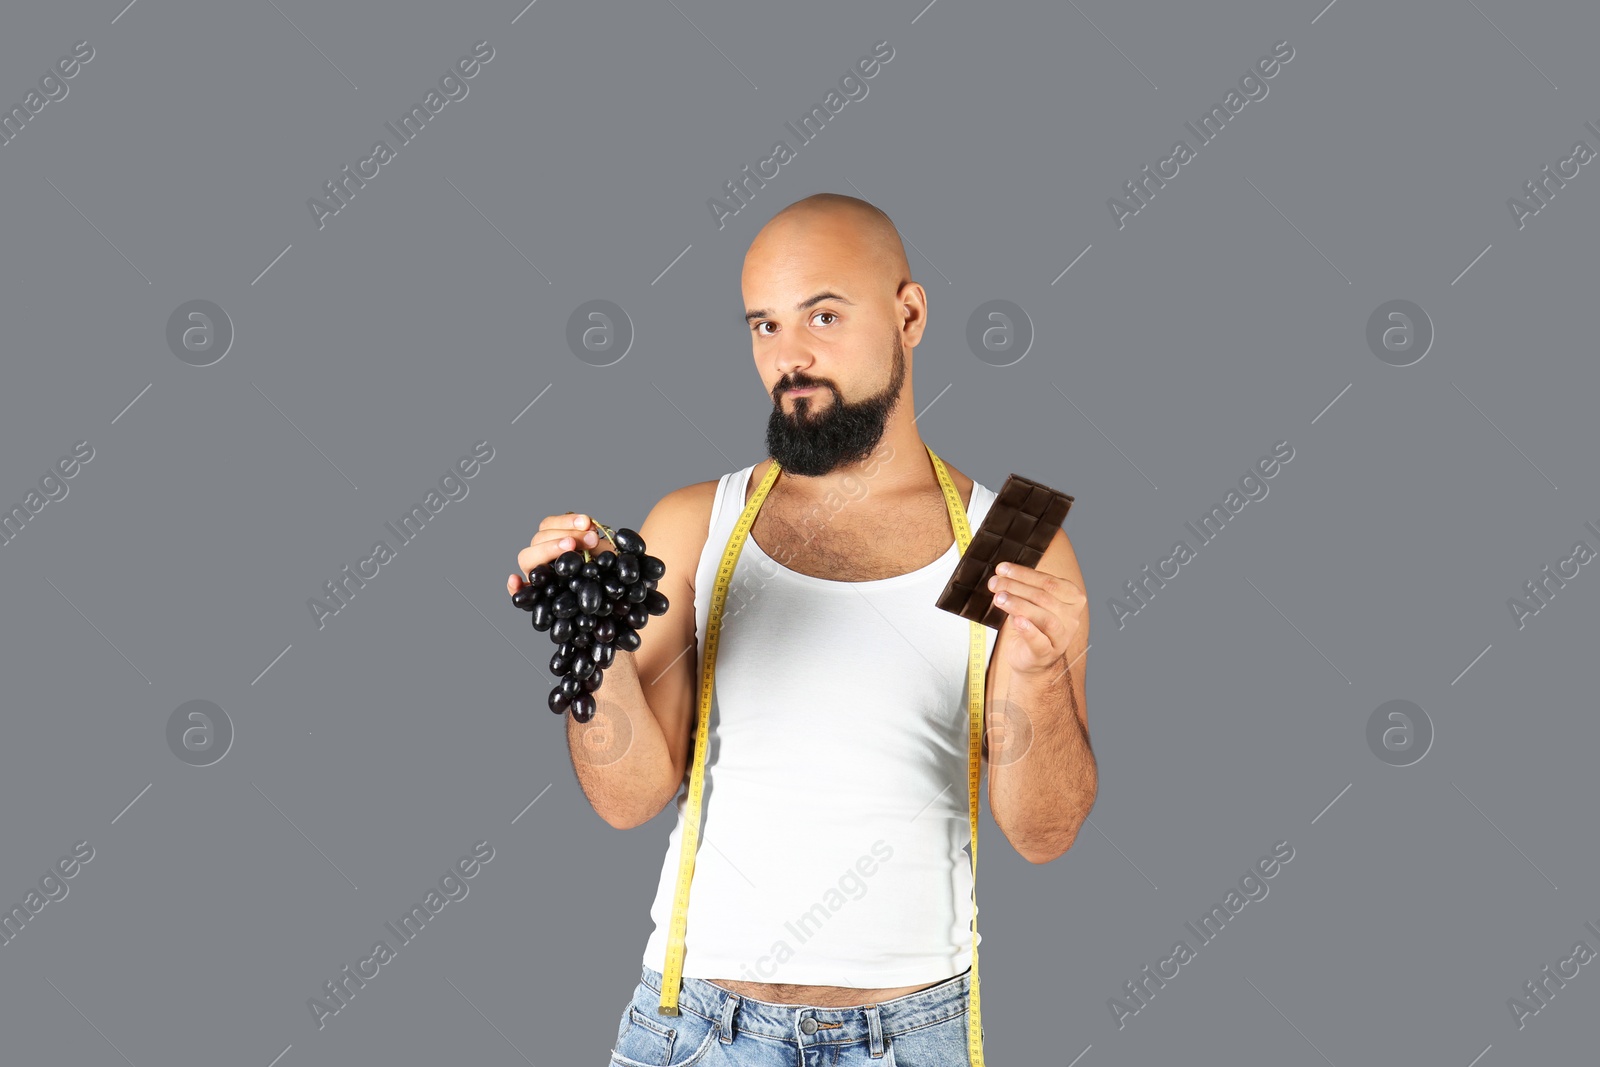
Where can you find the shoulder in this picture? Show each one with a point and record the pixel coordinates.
(1060, 560)
(688, 500)
(677, 527)
(682, 515)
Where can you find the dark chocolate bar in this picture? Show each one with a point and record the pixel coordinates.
(1018, 528)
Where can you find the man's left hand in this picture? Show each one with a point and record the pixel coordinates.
(1044, 612)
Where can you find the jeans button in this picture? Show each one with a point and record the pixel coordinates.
(808, 1025)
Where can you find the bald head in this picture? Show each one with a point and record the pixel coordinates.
(830, 229)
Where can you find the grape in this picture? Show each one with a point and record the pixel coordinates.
(593, 607)
(629, 541)
(590, 597)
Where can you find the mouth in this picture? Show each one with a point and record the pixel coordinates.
(801, 391)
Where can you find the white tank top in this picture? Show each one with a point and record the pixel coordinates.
(835, 826)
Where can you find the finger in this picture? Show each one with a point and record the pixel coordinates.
(1023, 575)
(1041, 619)
(1018, 578)
(539, 553)
(1007, 595)
(548, 544)
(577, 533)
(1031, 635)
(565, 537)
(513, 583)
(567, 520)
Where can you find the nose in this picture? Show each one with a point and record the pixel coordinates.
(792, 358)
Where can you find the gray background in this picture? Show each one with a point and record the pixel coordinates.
(1226, 316)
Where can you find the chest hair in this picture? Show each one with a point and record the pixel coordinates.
(855, 542)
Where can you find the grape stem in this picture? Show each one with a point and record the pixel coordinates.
(606, 531)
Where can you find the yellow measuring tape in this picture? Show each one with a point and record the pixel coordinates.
(672, 975)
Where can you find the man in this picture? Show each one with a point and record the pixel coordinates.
(832, 910)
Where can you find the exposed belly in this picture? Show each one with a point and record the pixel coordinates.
(818, 996)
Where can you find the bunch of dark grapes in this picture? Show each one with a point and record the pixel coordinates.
(592, 607)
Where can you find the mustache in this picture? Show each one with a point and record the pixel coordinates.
(801, 383)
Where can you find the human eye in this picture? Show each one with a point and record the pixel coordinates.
(828, 313)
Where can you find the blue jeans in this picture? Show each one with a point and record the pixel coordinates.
(717, 1027)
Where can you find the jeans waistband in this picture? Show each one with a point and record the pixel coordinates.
(844, 1024)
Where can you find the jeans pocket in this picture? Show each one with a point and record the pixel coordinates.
(647, 1039)
(941, 1044)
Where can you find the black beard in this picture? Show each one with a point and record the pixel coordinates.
(812, 443)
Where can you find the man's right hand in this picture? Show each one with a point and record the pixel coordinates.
(567, 532)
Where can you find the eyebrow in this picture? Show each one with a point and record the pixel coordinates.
(761, 313)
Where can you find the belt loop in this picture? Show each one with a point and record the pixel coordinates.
(730, 1005)
(874, 1031)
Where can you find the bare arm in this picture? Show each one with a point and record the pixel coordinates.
(1043, 779)
(631, 758)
